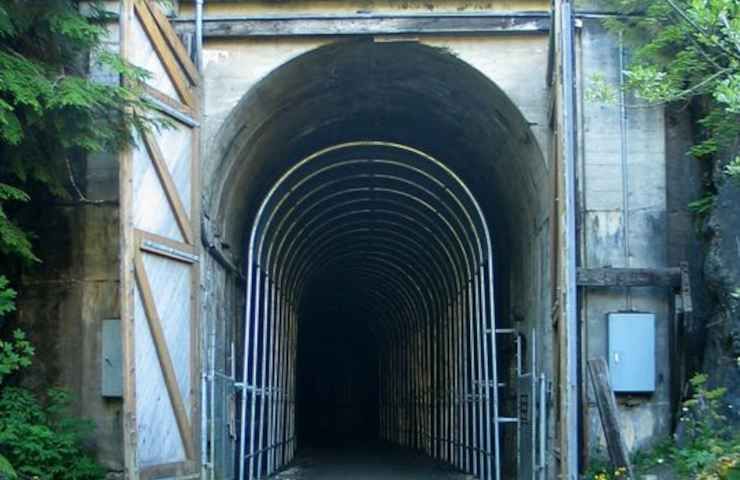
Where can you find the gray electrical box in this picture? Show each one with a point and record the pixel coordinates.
(632, 352)
(112, 357)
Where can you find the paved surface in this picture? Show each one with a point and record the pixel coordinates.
(366, 463)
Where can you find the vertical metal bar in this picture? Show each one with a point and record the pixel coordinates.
(542, 467)
(275, 387)
(284, 365)
(211, 377)
(474, 398)
(533, 396)
(491, 388)
(245, 366)
(263, 385)
(254, 381)
(494, 375)
(484, 388)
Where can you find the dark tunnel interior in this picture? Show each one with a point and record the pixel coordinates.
(337, 378)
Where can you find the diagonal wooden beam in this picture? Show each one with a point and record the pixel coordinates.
(175, 44)
(168, 185)
(164, 52)
(163, 353)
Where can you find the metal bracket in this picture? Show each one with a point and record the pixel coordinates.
(156, 247)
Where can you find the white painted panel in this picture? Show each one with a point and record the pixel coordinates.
(151, 209)
(170, 283)
(158, 435)
(146, 57)
(177, 149)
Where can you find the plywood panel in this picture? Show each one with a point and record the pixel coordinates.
(170, 282)
(151, 209)
(176, 146)
(158, 435)
(146, 57)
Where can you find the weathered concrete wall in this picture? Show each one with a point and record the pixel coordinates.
(623, 224)
(63, 301)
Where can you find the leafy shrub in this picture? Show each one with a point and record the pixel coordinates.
(41, 440)
(709, 449)
(16, 354)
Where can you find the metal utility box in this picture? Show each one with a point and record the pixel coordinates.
(632, 352)
(112, 357)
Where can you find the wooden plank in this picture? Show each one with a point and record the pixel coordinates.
(168, 184)
(195, 310)
(127, 251)
(165, 360)
(629, 277)
(179, 470)
(607, 406)
(174, 43)
(177, 245)
(237, 27)
(164, 53)
(152, 243)
(170, 102)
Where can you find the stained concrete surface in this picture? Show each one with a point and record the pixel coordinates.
(366, 462)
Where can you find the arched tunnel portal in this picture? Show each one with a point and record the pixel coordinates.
(375, 192)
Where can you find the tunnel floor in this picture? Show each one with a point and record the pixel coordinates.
(366, 462)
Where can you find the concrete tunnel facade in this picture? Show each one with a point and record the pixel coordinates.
(383, 198)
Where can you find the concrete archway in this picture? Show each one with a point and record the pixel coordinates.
(421, 100)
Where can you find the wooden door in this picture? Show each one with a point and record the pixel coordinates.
(160, 227)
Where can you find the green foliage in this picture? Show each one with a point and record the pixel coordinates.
(703, 206)
(709, 449)
(7, 296)
(15, 354)
(41, 440)
(52, 112)
(599, 90)
(686, 51)
(732, 169)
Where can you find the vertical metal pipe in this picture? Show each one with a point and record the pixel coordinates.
(284, 338)
(483, 388)
(258, 322)
(245, 366)
(491, 388)
(264, 387)
(212, 406)
(199, 34)
(570, 400)
(472, 375)
(273, 369)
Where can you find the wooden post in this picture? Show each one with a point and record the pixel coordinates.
(607, 405)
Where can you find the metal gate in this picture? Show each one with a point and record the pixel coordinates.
(531, 413)
(160, 228)
(378, 202)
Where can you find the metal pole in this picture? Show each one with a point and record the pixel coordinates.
(570, 403)
(199, 34)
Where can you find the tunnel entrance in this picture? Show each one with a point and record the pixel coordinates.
(375, 191)
(381, 257)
